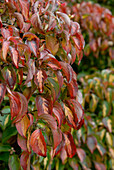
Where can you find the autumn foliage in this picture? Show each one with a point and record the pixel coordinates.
(38, 45)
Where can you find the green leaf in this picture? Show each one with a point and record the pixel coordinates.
(14, 162)
(107, 123)
(93, 102)
(6, 110)
(101, 149)
(4, 156)
(9, 132)
(109, 139)
(105, 108)
(4, 147)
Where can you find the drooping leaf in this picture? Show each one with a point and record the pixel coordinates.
(2, 91)
(5, 48)
(36, 22)
(78, 41)
(65, 17)
(33, 45)
(91, 143)
(38, 143)
(18, 105)
(25, 160)
(14, 56)
(39, 78)
(72, 88)
(67, 71)
(25, 9)
(31, 70)
(101, 149)
(23, 125)
(9, 76)
(20, 20)
(42, 105)
(58, 112)
(5, 33)
(70, 145)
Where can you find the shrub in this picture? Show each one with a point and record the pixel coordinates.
(95, 140)
(38, 87)
(97, 25)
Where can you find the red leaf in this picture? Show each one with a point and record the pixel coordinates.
(77, 110)
(5, 48)
(2, 91)
(18, 105)
(33, 46)
(42, 105)
(63, 155)
(31, 70)
(72, 88)
(31, 119)
(22, 126)
(25, 8)
(78, 41)
(99, 166)
(58, 112)
(65, 17)
(81, 154)
(25, 160)
(5, 33)
(38, 143)
(22, 142)
(24, 50)
(50, 120)
(1, 24)
(60, 78)
(91, 143)
(57, 137)
(14, 56)
(20, 20)
(9, 76)
(67, 71)
(39, 78)
(75, 27)
(70, 145)
(36, 22)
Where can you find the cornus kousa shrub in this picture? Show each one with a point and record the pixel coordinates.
(97, 25)
(38, 87)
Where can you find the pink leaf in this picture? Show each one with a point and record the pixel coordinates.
(65, 17)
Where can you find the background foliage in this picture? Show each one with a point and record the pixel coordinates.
(95, 140)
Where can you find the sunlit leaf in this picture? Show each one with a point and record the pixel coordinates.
(5, 48)
(37, 143)
(23, 125)
(25, 8)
